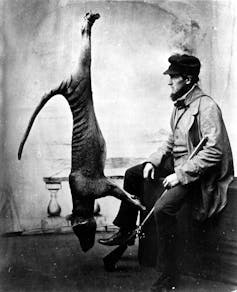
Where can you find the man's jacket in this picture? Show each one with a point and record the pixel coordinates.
(213, 165)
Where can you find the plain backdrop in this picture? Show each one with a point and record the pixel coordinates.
(131, 43)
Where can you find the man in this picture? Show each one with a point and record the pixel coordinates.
(202, 180)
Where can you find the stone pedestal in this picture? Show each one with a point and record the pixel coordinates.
(55, 224)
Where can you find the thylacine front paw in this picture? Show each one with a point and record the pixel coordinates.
(135, 201)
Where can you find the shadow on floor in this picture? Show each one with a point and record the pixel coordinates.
(56, 263)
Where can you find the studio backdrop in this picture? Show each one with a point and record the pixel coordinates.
(131, 42)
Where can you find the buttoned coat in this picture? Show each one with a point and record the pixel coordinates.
(213, 164)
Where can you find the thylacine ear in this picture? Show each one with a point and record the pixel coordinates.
(111, 189)
(85, 231)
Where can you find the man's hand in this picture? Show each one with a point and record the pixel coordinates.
(170, 181)
(149, 171)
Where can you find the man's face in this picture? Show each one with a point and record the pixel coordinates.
(177, 84)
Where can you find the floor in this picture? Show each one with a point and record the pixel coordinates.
(55, 262)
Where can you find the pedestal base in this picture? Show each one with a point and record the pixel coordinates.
(55, 224)
(60, 224)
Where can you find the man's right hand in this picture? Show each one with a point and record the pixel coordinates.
(149, 171)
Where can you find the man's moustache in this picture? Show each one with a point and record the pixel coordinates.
(180, 92)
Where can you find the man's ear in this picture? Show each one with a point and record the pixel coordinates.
(188, 79)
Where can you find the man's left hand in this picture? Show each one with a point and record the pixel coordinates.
(170, 181)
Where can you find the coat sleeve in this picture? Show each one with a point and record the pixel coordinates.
(167, 147)
(210, 124)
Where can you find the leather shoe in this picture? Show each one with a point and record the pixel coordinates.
(165, 282)
(117, 238)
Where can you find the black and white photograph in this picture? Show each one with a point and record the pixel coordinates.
(118, 145)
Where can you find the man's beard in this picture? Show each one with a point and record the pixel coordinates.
(181, 92)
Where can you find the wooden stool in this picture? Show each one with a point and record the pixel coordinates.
(206, 250)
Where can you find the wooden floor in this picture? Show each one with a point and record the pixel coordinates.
(55, 262)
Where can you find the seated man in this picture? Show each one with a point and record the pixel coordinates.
(202, 181)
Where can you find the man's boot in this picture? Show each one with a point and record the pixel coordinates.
(117, 238)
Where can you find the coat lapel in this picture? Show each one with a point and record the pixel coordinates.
(177, 115)
(192, 101)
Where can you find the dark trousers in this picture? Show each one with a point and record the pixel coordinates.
(166, 209)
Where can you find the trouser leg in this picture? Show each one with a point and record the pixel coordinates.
(134, 184)
(166, 209)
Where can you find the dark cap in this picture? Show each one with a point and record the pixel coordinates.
(183, 64)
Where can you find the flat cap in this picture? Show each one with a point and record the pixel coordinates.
(183, 64)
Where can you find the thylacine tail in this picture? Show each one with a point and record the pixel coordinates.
(43, 101)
